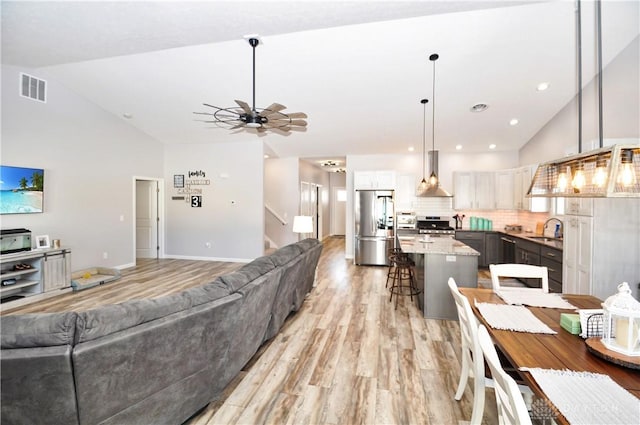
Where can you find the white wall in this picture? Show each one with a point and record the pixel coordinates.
(89, 157)
(621, 109)
(312, 174)
(230, 224)
(282, 193)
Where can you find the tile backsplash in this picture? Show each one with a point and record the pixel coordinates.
(443, 207)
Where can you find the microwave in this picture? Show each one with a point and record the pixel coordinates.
(14, 240)
(406, 221)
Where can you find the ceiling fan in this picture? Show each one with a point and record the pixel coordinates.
(244, 116)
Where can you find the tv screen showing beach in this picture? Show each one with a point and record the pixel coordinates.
(21, 190)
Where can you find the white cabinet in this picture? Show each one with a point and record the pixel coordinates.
(522, 181)
(384, 179)
(473, 190)
(578, 206)
(577, 254)
(504, 189)
(405, 195)
(56, 270)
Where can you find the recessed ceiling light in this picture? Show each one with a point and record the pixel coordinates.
(411, 149)
(542, 86)
(458, 147)
(479, 107)
(492, 146)
(514, 121)
(127, 115)
(266, 156)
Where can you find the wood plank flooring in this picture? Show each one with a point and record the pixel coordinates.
(347, 357)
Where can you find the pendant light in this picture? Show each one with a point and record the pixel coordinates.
(423, 186)
(433, 188)
(433, 178)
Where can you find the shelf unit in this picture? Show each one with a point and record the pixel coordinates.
(48, 269)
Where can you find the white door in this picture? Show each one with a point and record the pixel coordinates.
(146, 219)
(339, 211)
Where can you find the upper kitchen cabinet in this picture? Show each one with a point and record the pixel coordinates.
(384, 179)
(521, 181)
(405, 192)
(504, 191)
(474, 190)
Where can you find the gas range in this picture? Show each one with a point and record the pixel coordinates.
(435, 226)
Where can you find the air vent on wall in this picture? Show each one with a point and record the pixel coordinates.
(33, 88)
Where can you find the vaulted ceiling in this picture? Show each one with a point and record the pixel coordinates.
(357, 68)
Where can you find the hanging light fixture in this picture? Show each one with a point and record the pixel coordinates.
(604, 172)
(422, 187)
(433, 188)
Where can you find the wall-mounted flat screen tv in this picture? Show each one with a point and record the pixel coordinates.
(21, 190)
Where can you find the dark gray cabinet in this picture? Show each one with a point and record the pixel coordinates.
(551, 258)
(475, 240)
(492, 248)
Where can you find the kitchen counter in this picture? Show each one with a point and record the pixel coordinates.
(435, 262)
(435, 245)
(545, 241)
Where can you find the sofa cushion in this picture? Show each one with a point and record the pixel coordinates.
(285, 254)
(106, 320)
(207, 293)
(37, 330)
(307, 244)
(247, 273)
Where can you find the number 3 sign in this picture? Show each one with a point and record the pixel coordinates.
(196, 201)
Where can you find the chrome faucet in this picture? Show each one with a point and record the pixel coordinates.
(560, 232)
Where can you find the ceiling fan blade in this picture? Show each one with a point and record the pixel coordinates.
(212, 106)
(244, 105)
(275, 107)
(204, 113)
(297, 115)
(299, 123)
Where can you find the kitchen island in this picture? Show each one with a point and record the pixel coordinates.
(436, 260)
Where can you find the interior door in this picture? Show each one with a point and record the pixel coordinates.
(146, 219)
(339, 207)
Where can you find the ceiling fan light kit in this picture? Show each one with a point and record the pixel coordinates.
(251, 117)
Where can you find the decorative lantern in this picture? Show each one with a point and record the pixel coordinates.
(621, 331)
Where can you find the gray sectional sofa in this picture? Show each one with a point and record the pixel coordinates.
(152, 361)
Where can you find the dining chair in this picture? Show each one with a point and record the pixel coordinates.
(521, 271)
(472, 360)
(512, 408)
(473, 364)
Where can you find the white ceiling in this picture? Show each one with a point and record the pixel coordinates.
(357, 68)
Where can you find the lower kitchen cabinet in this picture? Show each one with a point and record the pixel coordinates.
(492, 248)
(475, 240)
(551, 258)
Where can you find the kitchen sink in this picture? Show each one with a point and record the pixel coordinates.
(545, 239)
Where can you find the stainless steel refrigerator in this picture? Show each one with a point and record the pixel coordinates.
(374, 226)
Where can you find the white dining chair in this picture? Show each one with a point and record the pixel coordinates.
(512, 408)
(518, 271)
(472, 358)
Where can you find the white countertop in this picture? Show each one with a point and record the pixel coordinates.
(435, 245)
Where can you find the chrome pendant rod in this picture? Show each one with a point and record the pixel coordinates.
(599, 52)
(579, 65)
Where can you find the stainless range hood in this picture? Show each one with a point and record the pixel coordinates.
(611, 172)
(426, 190)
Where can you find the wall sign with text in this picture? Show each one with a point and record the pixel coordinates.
(189, 187)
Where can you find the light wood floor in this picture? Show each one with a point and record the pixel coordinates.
(347, 357)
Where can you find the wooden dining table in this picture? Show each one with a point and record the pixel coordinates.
(558, 351)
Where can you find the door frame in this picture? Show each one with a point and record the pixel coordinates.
(161, 214)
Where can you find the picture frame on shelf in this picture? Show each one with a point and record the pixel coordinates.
(43, 242)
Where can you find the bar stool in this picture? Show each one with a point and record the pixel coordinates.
(392, 264)
(403, 278)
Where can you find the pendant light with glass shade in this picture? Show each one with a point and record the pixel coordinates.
(433, 188)
(422, 187)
